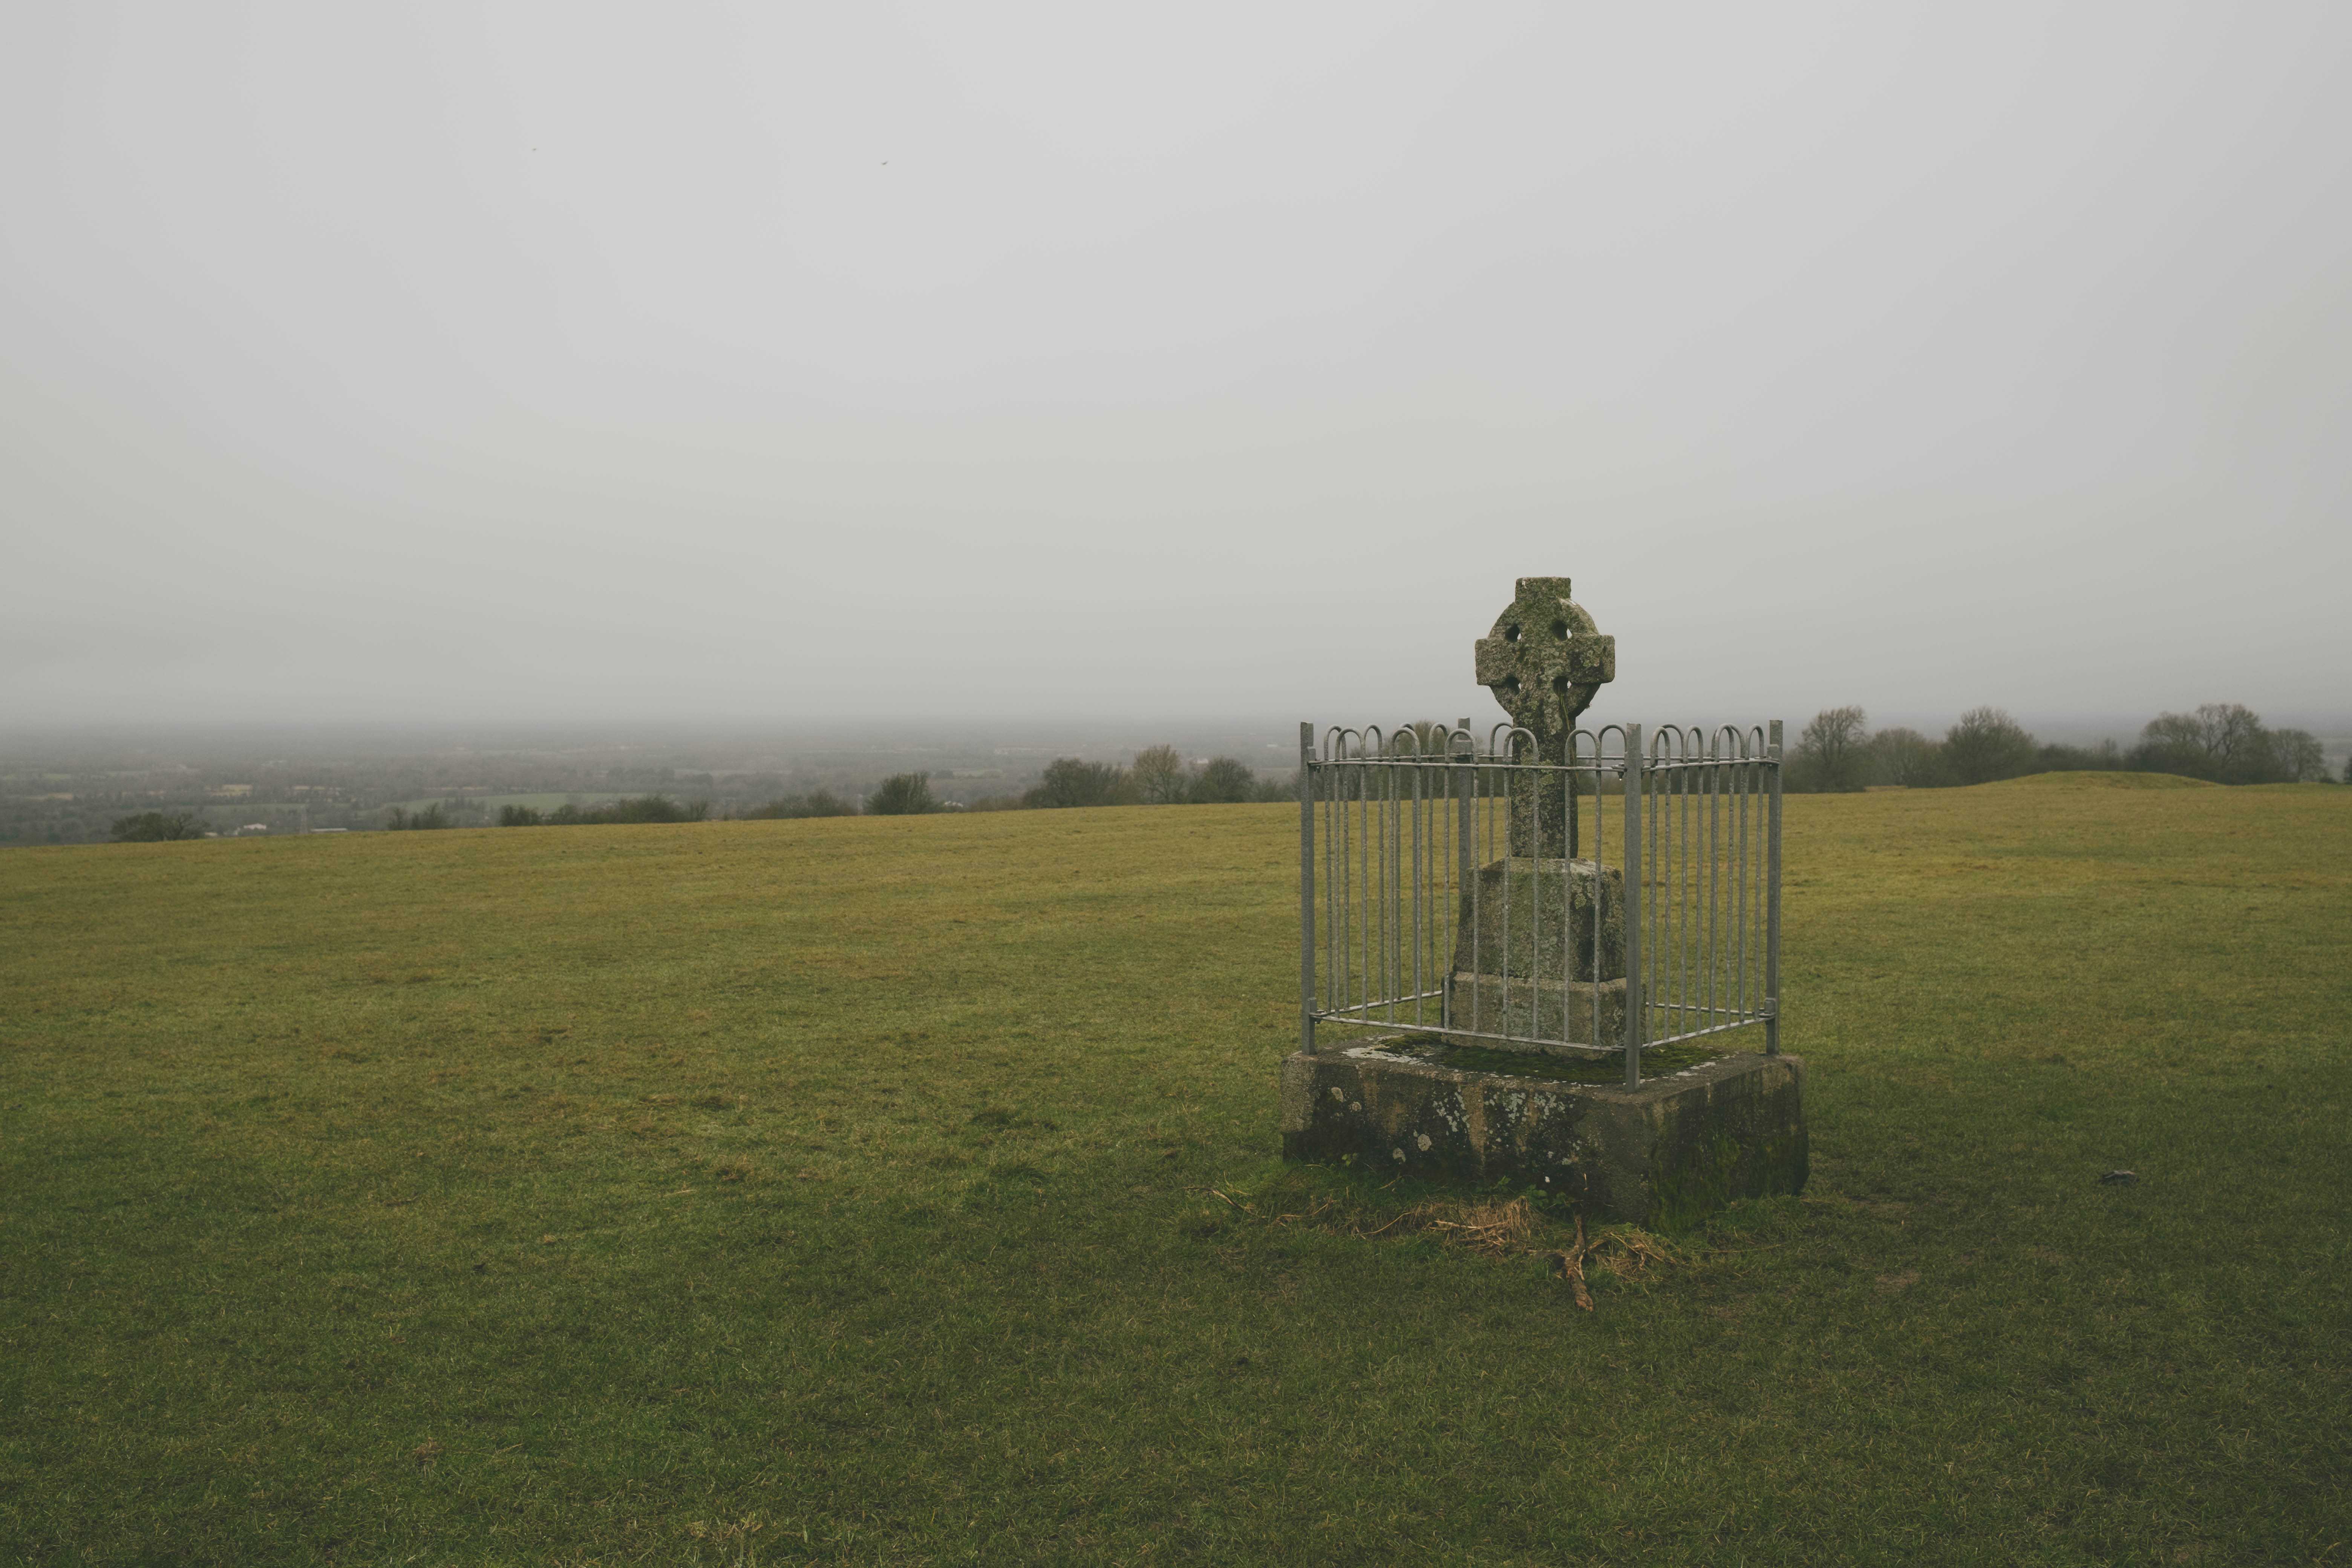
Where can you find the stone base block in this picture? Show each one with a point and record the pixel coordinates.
(1663, 1155)
(1536, 920)
(1492, 1004)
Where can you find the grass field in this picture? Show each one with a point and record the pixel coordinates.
(839, 1191)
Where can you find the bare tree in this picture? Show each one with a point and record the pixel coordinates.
(902, 794)
(2300, 757)
(1832, 754)
(1068, 782)
(1160, 776)
(1988, 744)
(1222, 781)
(1904, 756)
(2227, 743)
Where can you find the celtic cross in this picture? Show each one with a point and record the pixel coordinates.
(1544, 661)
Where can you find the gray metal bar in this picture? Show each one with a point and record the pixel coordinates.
(1466, 834)
(1634, 904)
(1307, 887)
(1772, 908)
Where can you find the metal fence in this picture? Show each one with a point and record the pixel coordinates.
(1620, 897)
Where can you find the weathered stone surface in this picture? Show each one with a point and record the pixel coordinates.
(1532, 1010)
(1544, 660)
(1664, 1156)
(1536, 920)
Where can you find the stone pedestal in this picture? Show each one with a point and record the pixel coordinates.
(1663, 1155)
(1531, 936)
(1541, 918)
(1491, 1005)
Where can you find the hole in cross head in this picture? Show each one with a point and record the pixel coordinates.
(1560, 684)
(1559, 630)
(1511, 634)
(1510, 683)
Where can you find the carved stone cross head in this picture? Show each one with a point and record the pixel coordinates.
(1545, 661)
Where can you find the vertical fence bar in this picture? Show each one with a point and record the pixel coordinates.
(1772, 906)
(1567, 897)
(1420, 894)
(1714, 881)
(1465, 790)
(1328, 793)
(1742, 906)
(1634, 905)
(1600, 887)
(1307, 887)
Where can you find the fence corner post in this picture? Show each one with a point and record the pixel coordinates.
(1464, 786)
(1634, 912)
(1307, 887)
(1772, 906)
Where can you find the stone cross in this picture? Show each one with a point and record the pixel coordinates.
(1545, 661)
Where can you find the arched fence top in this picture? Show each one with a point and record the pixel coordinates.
(1621, 895)
(1507, 745)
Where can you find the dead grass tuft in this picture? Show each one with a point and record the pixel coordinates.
(1498, 1228)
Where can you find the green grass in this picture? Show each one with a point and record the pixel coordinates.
(837, 1190)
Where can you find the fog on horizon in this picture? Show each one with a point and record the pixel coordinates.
(740, 364)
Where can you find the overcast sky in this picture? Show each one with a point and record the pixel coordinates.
(794, 363)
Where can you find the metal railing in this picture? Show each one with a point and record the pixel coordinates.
(1623, 898)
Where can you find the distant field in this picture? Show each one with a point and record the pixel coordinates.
(545, 801)
(839, 1190)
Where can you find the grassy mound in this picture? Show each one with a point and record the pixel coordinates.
(2102, 779)
(848, 1190)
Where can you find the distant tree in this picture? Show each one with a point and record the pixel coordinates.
(997, 802)
(1833, 751)
(399, 819)
(2056, 758)
(1429, 737)
(902, 794)
(817, 802)
(657, 808)
(1222, 781)
(1160, 775)
(2298, 756)
(633, 808)
(1273, 786)
(2227, 743)
(2347, 770)
(1069, 782)
(156, 827)
(1986, 744)
(1904, 756)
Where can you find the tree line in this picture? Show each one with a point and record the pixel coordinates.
(2222, 742)
(1159, 775)
(2225, 742)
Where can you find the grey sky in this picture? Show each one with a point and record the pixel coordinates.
(795, 363)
